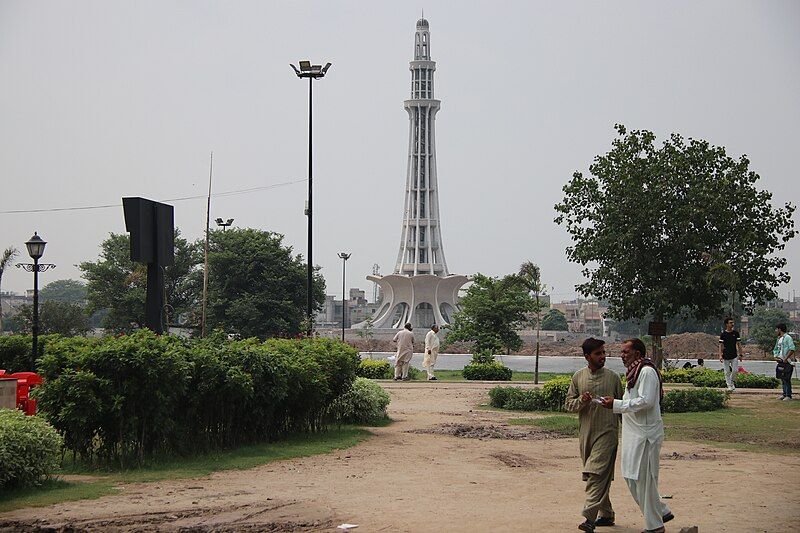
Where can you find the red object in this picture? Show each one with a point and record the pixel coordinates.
(25, 382)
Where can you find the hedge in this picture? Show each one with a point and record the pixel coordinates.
(693, 400)
(375, 369)
(122, 400)
(30, 449)
(716, 379)
(550, 397)
(15, 352)
(494, 371)
(365, 402)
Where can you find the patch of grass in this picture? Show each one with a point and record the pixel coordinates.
(566, 425)
(188, 467)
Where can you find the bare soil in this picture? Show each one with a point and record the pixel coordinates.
(444, 465)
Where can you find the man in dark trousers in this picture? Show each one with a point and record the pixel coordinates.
(730, 350)
(599, 431)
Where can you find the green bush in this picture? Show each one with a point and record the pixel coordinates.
(365, 402)
(122, 400)
(375, 369)
(716, 379)
(693, 400)
(554, 393)
(550, 397)
(482, 357)
(494, 371)
(29, 449)
(15, 352)
(678, 375)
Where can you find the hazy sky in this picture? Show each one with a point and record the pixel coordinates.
(105, 99)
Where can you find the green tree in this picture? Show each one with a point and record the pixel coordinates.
(257, 287)
(6, 260)
(117, 284)
(649, 221)
(65, 318)
(555, 320)
(64, 290)
(367, 334)
(762, 326)
(491, 312)
(530, 276)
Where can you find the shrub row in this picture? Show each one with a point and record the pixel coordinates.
(122, 400)
(550, 397)
(494, 371)
(716, 379)
(375, 369)
(15, 352)
(30, 449)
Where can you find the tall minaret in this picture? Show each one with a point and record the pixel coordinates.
(421, 290)
(421, 241)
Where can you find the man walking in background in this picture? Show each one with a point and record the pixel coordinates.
(730, 350)
(431, 351)
(405, 350)
(599, 432)
(783, 352)
(642, 433)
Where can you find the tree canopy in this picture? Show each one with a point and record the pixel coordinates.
(555, 320)
(64, 290)
(257, 287)
(65, 318)
(491, 311)
(763, 323)
(671, 229)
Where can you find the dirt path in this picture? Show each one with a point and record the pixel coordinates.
(416, 476)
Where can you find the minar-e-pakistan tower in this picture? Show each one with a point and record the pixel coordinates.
(421, 290)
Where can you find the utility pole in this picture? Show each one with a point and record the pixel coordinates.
(205, 251)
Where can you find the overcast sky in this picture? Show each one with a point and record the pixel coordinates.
(105, 99)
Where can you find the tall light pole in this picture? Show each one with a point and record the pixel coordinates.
(344, 257)
(35, 246)
(312, 72)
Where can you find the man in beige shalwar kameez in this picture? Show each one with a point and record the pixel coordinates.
(405, 350)
(599, 432)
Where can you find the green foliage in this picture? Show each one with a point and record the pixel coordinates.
(703, 377)
(6, 260)
(649, 225)
(367, 333)
(555, 320)
(15, 352)
(762, 326)
(29, 449)
(550, 397)
(693, 400)
(117, 284)
(257, 288)
(64, 290)
(494, 371)
(55, 317)
(365, 402)
(122, 400)
(491, 312)
(482, 357)
(678, 375)
(375, 369)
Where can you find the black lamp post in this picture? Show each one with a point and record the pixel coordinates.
(344, 256)
(224, 223)
(35, 246)
(312, 72)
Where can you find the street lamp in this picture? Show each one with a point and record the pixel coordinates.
(224, 224)
(35, 246)
(312, 72)
(344, 257)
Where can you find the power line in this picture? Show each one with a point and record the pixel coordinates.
(180, 199)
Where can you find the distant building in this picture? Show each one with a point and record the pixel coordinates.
(13, 301)
(585, 316)
(358, 309)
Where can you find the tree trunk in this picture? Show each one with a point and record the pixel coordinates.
(658, 354)
(1, 301)
(536, 366)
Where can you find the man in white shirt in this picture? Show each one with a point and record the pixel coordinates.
(642, 433)
(431, 351)
(405, 350)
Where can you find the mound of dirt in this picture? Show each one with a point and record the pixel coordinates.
(471, 431)
(691, 345)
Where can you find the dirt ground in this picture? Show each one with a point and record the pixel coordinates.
(442, 466)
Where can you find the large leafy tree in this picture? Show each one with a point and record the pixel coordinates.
(679, 227)
(763, 323)
(64, 290)
(116, 284)
(257, 286)
(492, 310)
(64, 318)
(6, 260)
(555, 320)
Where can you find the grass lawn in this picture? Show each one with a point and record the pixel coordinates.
(101, 483)
(757, 424)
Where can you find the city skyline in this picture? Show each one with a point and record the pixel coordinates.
(106, 101)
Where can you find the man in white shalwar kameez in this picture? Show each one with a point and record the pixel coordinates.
(642, 433)
(405, 351)
(431, 351)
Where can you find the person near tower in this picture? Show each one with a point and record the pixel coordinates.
(642, 433)
(599, 431)
(431, 351)
(405, 350)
